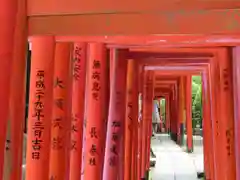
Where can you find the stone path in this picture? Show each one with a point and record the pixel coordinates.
(173, 163)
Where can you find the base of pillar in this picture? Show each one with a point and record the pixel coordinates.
(189, 150)
(173, 136)
(201, 175)
(168, 131)
(181, 138)
(147, 175)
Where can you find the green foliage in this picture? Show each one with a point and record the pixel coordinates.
(162, 105)
(196, 100)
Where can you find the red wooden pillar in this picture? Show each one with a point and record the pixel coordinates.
(78, 101)
(17, 98)
(173, 116)
(144, 124)
(167, 114)
(214, 97)
(134, 133)
(113, 163)
(139, 151)
(112, 56)
(109, 87)
(61, 119)
(223, 125)
(140, 120)
(129, 124)
(95, 111)
(40, 108)
(207, 129)
(175, 112)
(236, 90)
(8, 12)
(188, 96)
(180, 112)
(160, 126)
(226, 115)
(149, 111)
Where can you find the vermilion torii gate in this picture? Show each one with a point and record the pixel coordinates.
(90, 62)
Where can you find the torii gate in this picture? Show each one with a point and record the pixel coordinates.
(95, 27)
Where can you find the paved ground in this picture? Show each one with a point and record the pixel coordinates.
(173, 163)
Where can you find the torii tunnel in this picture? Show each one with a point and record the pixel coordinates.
(96, 67)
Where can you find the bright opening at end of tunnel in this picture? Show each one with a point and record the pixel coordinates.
(170, 160)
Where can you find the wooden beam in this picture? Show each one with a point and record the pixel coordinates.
(163, 69)
(61, 7)
(151, 41)
(165, 82)
(218, 21)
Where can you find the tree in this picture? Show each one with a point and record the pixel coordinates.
(163, 106)
(197, 100)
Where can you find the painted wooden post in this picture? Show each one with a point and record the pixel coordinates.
(175, 114)
(222, 108)
(149, 111)
(40, 108)
(226, 115)
(95, 111)
(110, 69)
(113, 162)
(8, 12)
(173, 124)
(214, 97)
(171, 113)
(188, 96)
(160, 125)
(236, 90)
(78, 101)
(180, 112)
(144, 124)
(167, 114)
(140, 119)
(139, 152)
(134, 133)
(17, 97)
(129, 124)
(61, 119)
(207, 129)
(112, 57)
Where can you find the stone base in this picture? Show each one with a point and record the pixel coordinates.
(147, 175)
(173, 136)
(189, 150)
(168, 131)
(201, 175)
